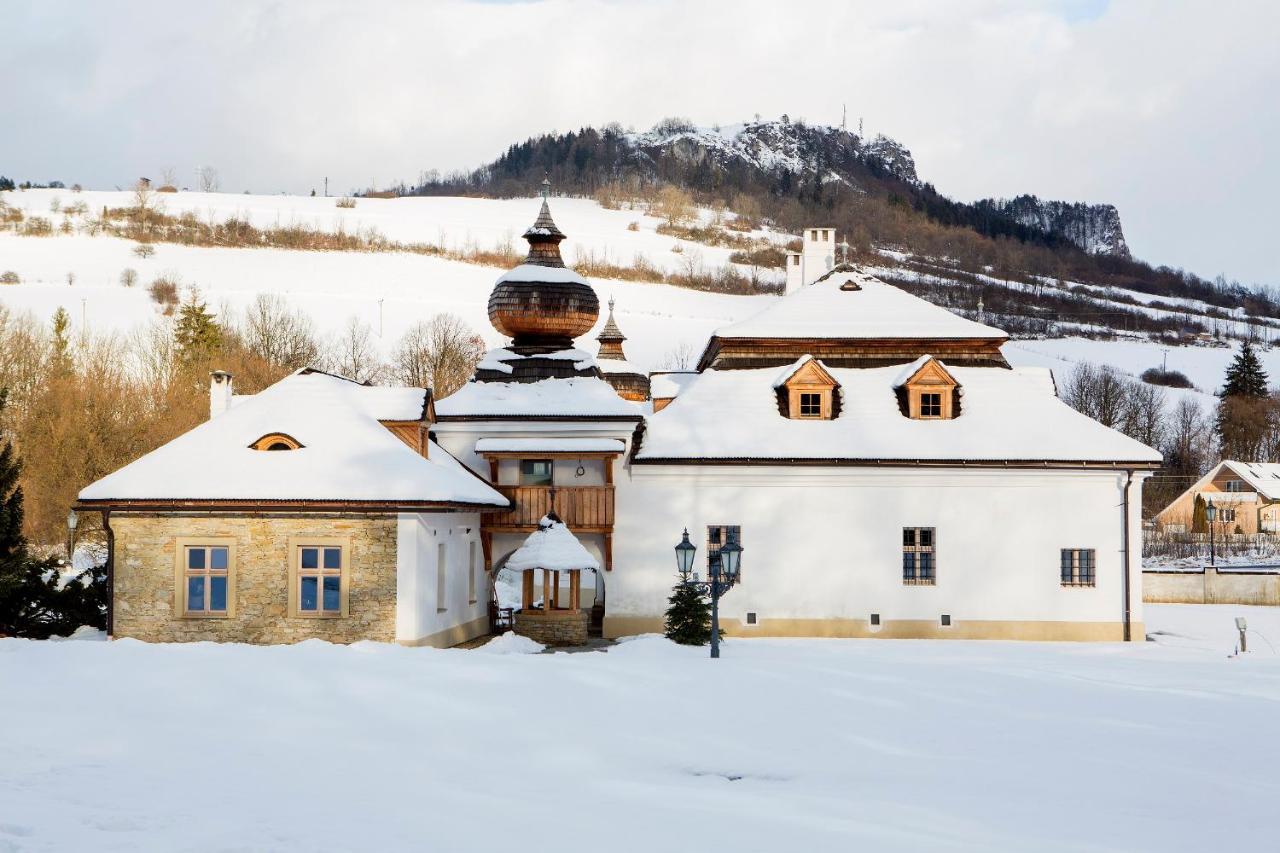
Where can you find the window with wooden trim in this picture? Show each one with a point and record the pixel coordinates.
(1226, 514)
(930, 404)
(811, 404)
(1078, 567)
(809, 393)
(206, 583)
(717, 536)
(276, 441)
(535, 472)
(919, 563)
(1235, 486)
(319, 578)
(930, 392)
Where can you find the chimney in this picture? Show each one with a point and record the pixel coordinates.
(219, 392)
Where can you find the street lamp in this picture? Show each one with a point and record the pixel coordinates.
(1210, 515)
(723, 575)
(72, 520)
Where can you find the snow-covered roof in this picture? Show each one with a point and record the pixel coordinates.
(549, 445)
(501, 359)
(552, 546)
(346, 455)
(666, 385)
(575, 397)
(1007, 415)
(874, 310)
(616, 366)
(537, 272)
(1264, 477)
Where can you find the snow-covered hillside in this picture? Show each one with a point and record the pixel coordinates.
(781, 745)
(392, 290)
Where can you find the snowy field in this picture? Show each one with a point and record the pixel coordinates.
(782, 745)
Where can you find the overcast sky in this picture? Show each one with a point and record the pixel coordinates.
(1166, 109)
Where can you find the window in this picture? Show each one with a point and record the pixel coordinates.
(319, 582)
(918, 566)
(535, 472)
(276, 441)
(810, 405)
(930, 392)
(1077, 567)
(718, 535)
(473, 572)
(442, 576)
(1235, 485)
(751, 617)
(930, 405)
(205, 586)
(1226, 514)
(875, 619)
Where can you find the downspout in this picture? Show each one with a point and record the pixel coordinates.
(1124, 540)
(111, 572)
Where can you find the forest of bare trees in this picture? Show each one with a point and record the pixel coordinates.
(79, 407)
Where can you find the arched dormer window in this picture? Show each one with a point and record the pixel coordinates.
(808, 392)
(276, 441)
(927, 391)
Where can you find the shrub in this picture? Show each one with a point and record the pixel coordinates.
(345, 202)
(633, 226)
(9, 277)
(144, 250)
(128, 277)
(167, 188)
(1168, 378)
(164, 292)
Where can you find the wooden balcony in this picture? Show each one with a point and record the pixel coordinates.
(585, 509)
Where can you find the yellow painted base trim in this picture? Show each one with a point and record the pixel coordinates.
(452, 636)
(898, 629)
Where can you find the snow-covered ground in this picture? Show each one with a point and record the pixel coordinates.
(391, 291)
(805, 745)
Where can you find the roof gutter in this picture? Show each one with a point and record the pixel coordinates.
(1054, 464)
(1124, 560)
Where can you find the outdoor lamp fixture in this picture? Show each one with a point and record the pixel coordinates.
(1210, 515)
(723, 575)
(73, 519)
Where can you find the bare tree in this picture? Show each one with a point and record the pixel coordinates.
(680, 357)
(440, 354)
(209, 182)
(168, 177)
(279, 336)
(352, 353)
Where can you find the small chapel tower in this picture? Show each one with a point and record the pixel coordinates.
(624, 376)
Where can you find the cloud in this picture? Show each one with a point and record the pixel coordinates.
(1160, 108)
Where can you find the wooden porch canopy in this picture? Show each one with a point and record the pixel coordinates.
(511, 448)
(552, 549)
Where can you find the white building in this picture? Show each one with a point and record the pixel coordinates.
(816, 258)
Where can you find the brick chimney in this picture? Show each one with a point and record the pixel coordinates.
(219, 392)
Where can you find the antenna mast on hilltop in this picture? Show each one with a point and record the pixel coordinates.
(844, 117)
(859, 127)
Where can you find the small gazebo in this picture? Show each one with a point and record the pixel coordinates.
(551, 550)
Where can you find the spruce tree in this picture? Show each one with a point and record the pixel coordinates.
(688, 619)
(1245, 376)
(196, 333)
(34, 602)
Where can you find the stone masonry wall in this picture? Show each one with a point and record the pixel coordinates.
(145, 554)
(559, 630)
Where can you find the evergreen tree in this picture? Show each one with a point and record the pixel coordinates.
(1246, 412)
(61, 342)
(34, 602)
(197, 333)
(1199, 516)
(1245, 376)
(688, 619)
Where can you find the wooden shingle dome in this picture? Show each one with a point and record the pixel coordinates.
(542, 305)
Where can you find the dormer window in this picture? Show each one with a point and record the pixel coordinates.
(807, 391)
(927, 391)
(276, 441)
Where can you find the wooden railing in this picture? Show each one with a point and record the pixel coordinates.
(580, 507)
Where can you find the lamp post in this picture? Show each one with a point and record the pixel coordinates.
(73, 519)
(723, 575)
(1210, 515)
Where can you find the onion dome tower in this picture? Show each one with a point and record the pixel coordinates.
(625, 377)
(542, 306)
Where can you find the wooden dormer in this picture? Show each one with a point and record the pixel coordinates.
(928, 392)
(808, 392)
(416, 434)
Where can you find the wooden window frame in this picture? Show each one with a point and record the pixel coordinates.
(1082, 572)
(182, 544)
(713, 548)
(269, 441)
(551, 471)
(915, 550)
(296, 544)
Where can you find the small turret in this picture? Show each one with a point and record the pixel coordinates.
(625, 378)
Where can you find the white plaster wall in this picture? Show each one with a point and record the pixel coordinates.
(459, 439)
(824, 543)
(819, 255)
(419, 613)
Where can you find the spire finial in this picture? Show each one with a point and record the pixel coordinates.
(844, 251)
(611, 304)
(546, 186)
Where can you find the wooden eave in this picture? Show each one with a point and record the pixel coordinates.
(837, 349)
(276, 505)
(900, 463)
(932, 373)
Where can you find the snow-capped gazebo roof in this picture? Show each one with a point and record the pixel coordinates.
(551, 547)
